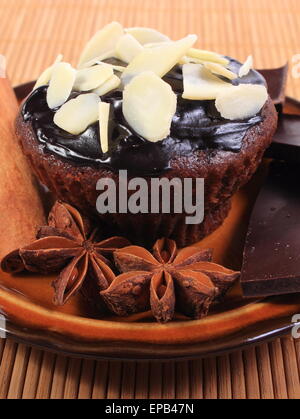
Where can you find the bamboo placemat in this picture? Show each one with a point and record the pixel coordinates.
(32, 33)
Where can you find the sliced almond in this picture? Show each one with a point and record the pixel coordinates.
(118, 68)
(219, 70)
(103, 125)
(204, 55)
(77, 114)
(96, 60)
(147, 35)
(58, 59)
(200, 84)
(157, 44)
(184, 60)
(103, 41)
(45, 77)
(160, 60)
(127, 48)
(112, 83)
(60, 85)
(246, 67)
(192, 60)
(149, 105)
(241, 102)
(90, 78)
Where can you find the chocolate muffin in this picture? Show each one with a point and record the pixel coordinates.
(210, 118)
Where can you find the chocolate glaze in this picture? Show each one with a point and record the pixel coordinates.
(197, 125)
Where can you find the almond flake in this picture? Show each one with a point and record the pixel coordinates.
(118, 68)
(184, 60)
(96, 60)
(77, 114)
(45, 77)
(219, 70)
(157, 44)
(127, 48)
(60, 85)
(192, 60)
(204, 55)
(241, 102)
(103, 41)
(149, 105)
(111, 84)
(200, 84)
(246, 67)
(92, 77)
(103, 125)
(160, 60)
(58, 59)
(147, 35)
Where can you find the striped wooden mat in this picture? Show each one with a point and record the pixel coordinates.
(32, 33)
(267, 371)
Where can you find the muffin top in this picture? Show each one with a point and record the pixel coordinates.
(137, 100)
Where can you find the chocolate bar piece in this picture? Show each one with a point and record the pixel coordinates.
(276, 80)
(286, 141)
(271, 263)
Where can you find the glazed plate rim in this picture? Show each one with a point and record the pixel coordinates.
(189, 343)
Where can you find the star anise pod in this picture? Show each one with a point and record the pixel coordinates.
(167, 279)
(67, 244)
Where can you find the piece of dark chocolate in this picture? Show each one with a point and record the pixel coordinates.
(286, 141)
(271, 262)
(276, 80)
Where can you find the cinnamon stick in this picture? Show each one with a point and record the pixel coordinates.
(21, 209)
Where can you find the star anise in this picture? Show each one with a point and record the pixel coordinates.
(67, 244)
(167, 279)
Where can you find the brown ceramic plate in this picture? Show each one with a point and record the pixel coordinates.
(26, 302)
